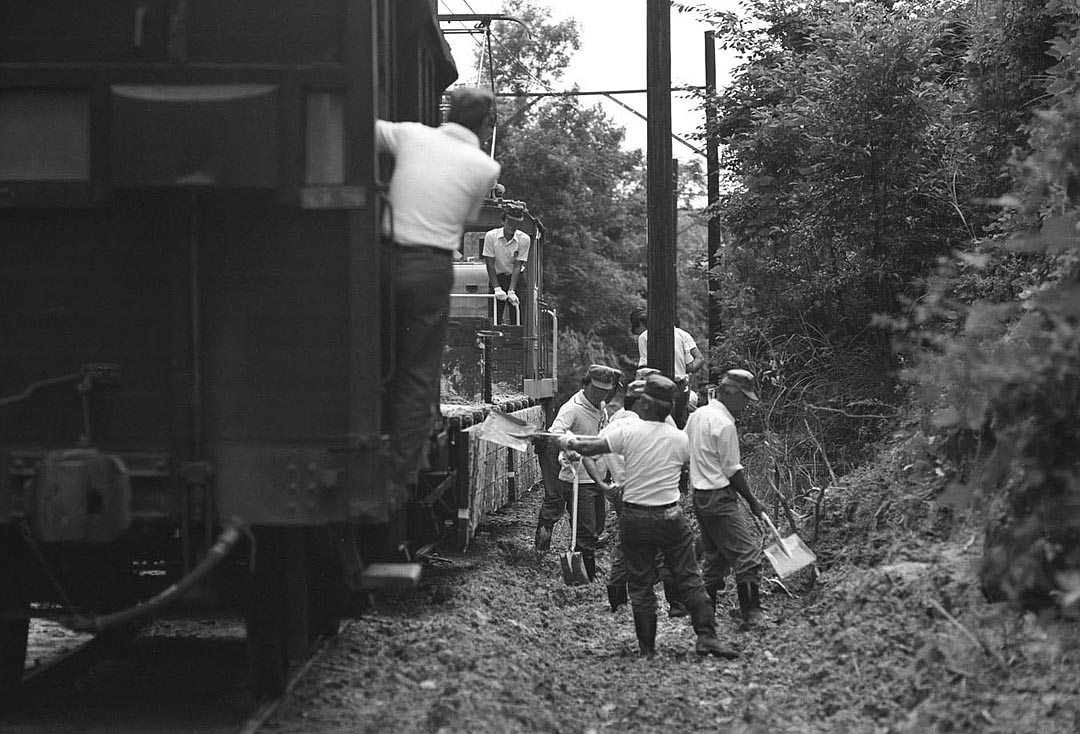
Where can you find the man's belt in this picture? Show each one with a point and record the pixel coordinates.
(636, 506)
(430, 249)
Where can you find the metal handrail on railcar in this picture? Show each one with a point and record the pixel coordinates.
(517, 309)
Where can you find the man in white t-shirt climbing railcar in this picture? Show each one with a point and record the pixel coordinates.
(440, 179)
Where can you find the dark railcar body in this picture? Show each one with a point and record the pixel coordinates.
(189, 299)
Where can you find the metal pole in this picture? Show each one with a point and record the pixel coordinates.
(661, 246)
(712, 177)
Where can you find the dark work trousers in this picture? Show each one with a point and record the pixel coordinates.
(556, 501)
(414, 335)
(727, 541)
(646, 530)
(619, 573)
(500, 306)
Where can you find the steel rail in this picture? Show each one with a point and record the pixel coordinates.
(270, 708)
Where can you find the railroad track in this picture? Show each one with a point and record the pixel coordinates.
(268, 711)
(176, 676)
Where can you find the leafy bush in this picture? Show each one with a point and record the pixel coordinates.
(1004, 373)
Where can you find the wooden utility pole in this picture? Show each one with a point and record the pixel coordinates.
(661, 245)
(712, 178)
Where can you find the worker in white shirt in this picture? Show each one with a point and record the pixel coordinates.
(440, 179)
(688, 360)
(506, 251)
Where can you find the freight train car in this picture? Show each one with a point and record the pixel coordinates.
(190, 361)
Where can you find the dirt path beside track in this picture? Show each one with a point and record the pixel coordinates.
(495, 642)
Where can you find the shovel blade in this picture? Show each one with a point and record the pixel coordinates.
(504, 430)
(573, 569)
(791, 557)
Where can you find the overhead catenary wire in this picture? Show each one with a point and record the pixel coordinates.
(554, 92)
(472, 34)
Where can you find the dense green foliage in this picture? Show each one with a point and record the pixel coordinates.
(1000, 331)
(868, 144)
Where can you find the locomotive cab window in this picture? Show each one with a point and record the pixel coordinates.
(44, 135)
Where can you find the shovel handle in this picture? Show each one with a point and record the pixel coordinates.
(573, 510)
(776, 533)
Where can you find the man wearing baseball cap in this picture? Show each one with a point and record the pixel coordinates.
(616, 466)
(506, 251)
(652, 519)
(584, 413)
(717, 477)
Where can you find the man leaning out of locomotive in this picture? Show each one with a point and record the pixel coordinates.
(440, 179)
(651, 519)
(583, 413)
(505, 253)
(716, 473)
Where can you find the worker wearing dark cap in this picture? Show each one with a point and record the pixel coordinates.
(612, 490)
(584, 413)
(506, 251)
(440, 179)
(717, 476)
(651, 519)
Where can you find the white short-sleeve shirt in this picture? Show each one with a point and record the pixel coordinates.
(684, 346)
(654, 454)
(714, 446)
(506, 252)
(440, 180)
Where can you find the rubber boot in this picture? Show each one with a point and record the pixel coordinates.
(589, 559)
(713, 590)
(645, 628)
(704, 621)
(750, 605)
(675, 606)
(543, 538)
(617, 596)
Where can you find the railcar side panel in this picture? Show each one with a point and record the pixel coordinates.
(275, 308)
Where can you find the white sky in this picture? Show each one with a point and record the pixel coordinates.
(612, 56)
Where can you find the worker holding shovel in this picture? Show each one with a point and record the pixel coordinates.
(717, 477)
(652, 519)
(617, 578)
(583, 413)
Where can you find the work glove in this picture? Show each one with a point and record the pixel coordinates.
(756, 509)
(613, 492)
(512, 298)
(500, 294)
(564, 439)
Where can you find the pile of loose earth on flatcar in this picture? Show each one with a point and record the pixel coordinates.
(495, 642)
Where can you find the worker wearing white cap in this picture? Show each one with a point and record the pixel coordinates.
(584, 413)
(505, 253)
